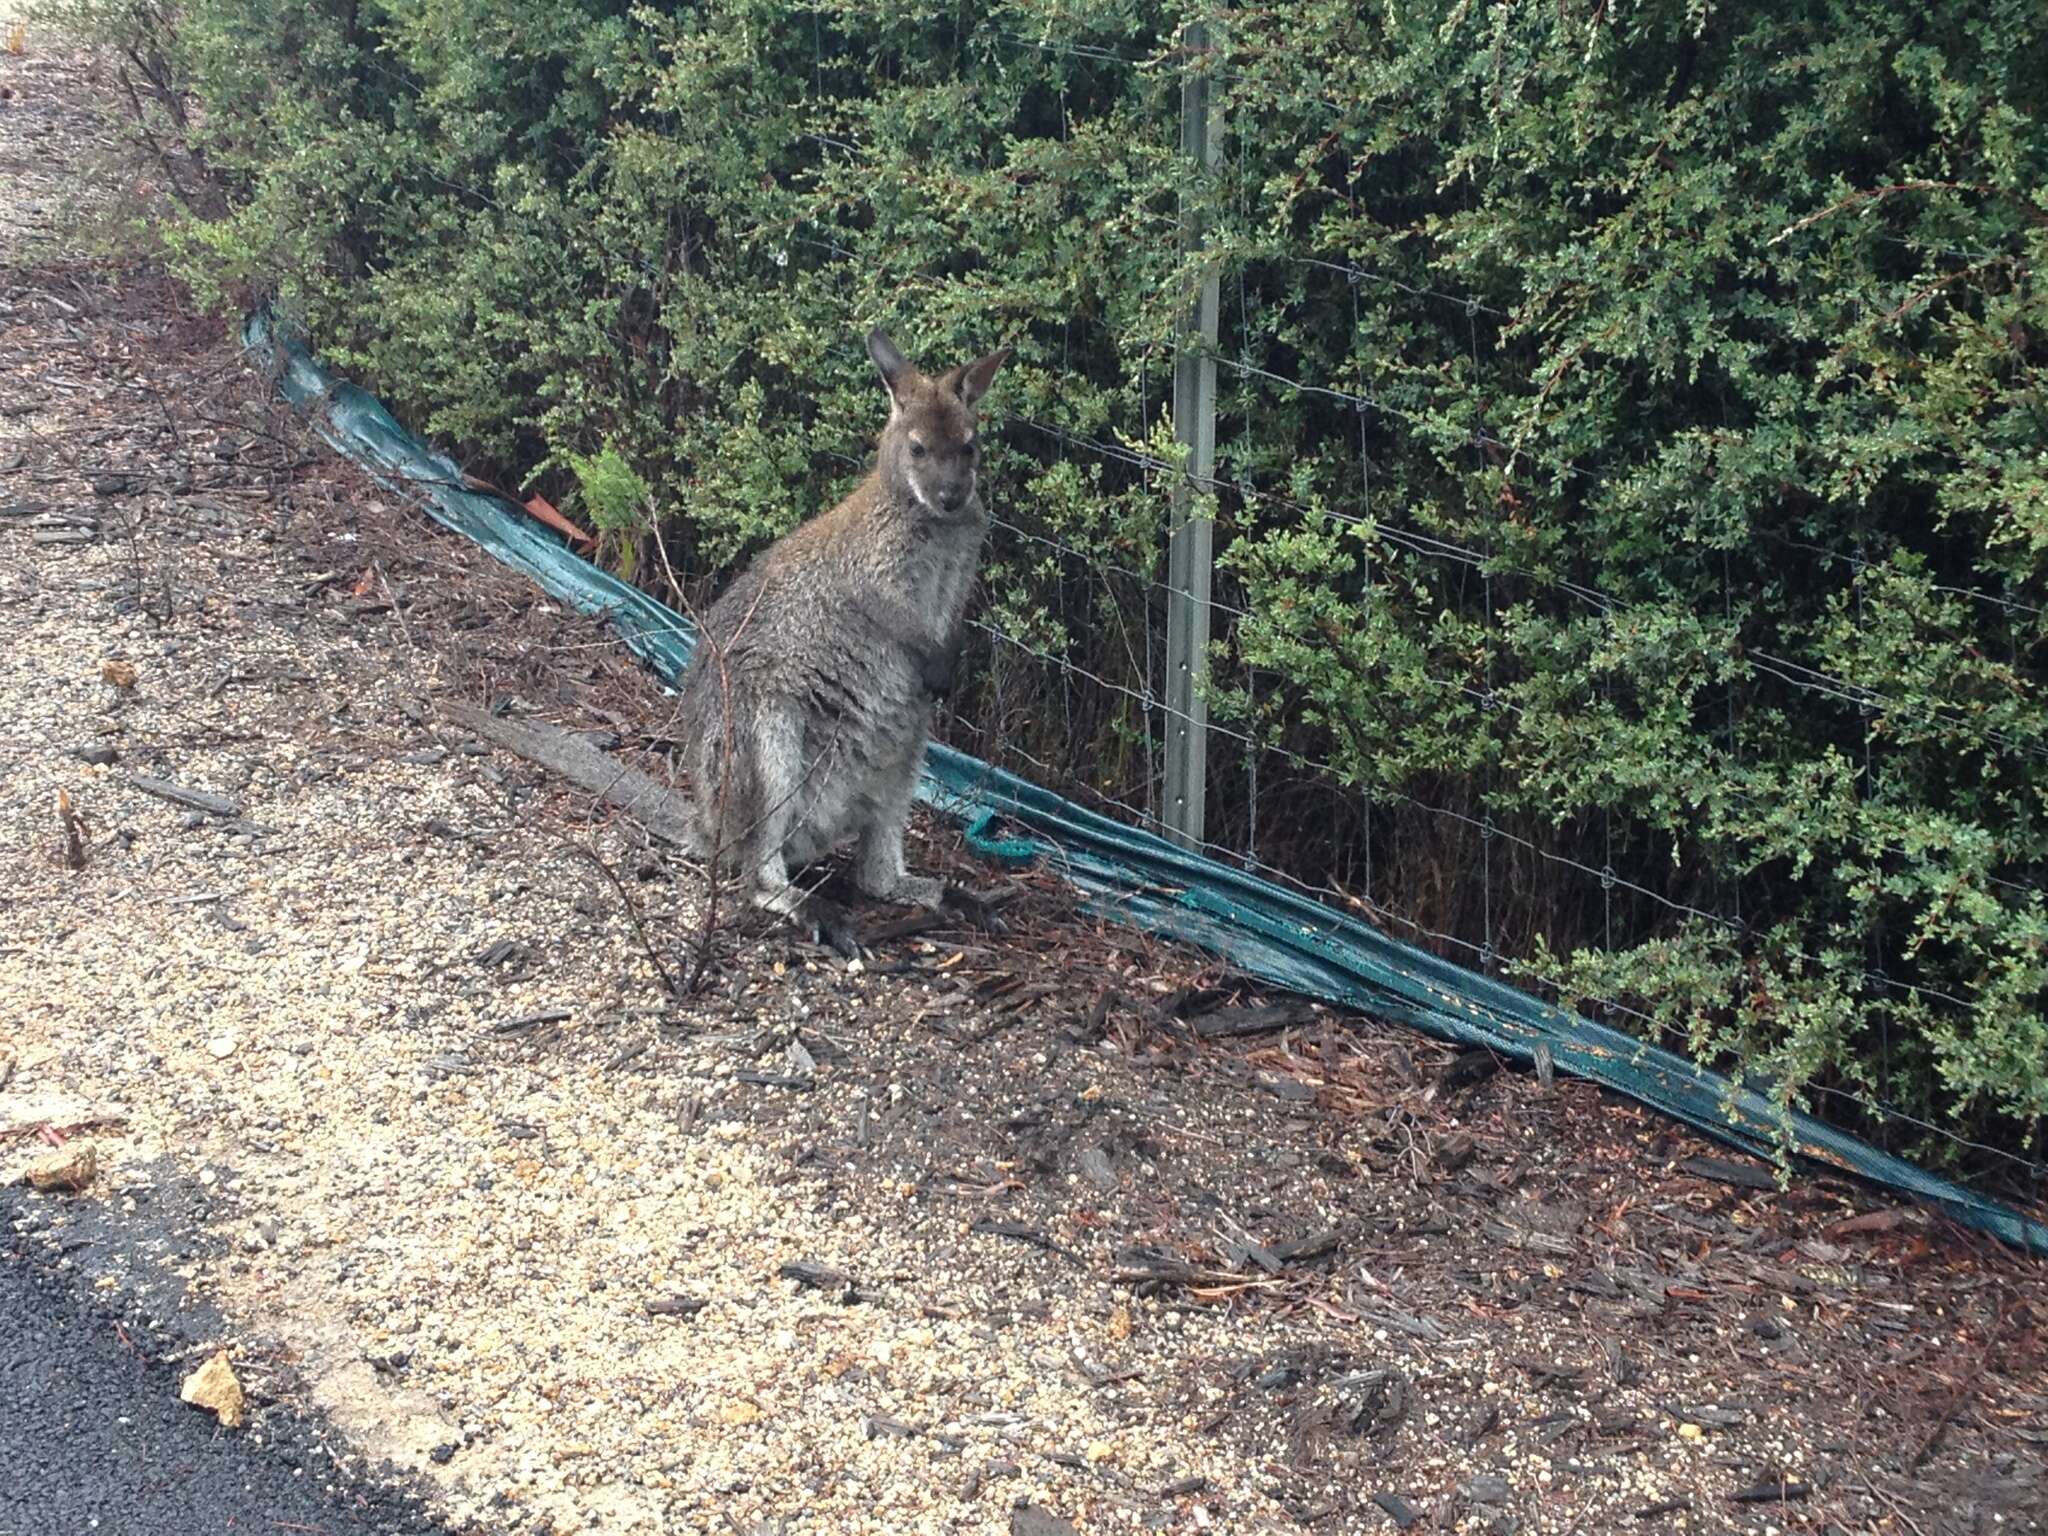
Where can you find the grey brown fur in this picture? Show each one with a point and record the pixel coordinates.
(808, 702)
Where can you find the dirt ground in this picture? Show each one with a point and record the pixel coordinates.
(995, 1233)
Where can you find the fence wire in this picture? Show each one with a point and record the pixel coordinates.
(1102, 661)
(1099, 659)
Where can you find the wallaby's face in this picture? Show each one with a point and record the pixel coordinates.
(931, 448)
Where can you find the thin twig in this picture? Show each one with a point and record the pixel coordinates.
(632, 912)
(1878, 194)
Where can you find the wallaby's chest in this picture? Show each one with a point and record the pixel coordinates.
(931, 570)
(946, 575)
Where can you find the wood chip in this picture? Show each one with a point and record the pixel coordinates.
(1743, 1175)
(1546, 1371)
(1870, 1221)
(70, 1168)
(1397, 1509)
(1229, 1023)
(815, 1277)
(1778, 1492)
(875, 1426)
(1017, 1231)
(1315, 1246)
(191, 799)
(674, 1306)
(528, 1021)
(774, 1080)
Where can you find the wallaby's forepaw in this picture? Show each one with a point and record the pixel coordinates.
(977, 910)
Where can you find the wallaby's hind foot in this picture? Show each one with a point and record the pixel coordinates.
(816, 919)
(826, 922)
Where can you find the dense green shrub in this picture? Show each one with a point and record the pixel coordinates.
(1658, 572)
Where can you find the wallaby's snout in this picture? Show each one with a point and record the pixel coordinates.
(931, 447)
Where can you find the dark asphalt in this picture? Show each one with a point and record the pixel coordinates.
(94, 1441)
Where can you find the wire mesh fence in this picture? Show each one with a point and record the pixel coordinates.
(1408, 538)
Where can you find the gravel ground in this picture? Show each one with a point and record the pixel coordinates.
(1000, 1233)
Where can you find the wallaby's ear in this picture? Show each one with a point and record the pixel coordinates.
(893, 365)
(971, 382)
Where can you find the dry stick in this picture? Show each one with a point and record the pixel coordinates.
(661, 810)
(714, 857)
(1878, 194)
(170, 421)
(398, 612)
(75, 836)
(1892, 1504)
(1963, 1388)
(129, 528)
(632, 911)
(719, 653)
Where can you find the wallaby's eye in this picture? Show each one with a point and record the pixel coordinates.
(916, 449)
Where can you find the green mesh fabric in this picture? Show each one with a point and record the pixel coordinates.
(1134, 877)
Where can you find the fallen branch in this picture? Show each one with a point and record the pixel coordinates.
(661, 810)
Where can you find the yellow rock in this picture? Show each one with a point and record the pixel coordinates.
(214, 1386)
(740, 1411)
(69, 1167)
(1690, 1432)
(1120, 1324)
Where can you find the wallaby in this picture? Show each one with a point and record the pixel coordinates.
(808, 701)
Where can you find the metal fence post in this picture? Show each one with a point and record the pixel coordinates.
(1189, 549)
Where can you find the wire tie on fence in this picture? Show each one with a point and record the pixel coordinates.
(1146, 701)
(1607, 879)
(1486, 829)
(1472, 308)
(1486, 956)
